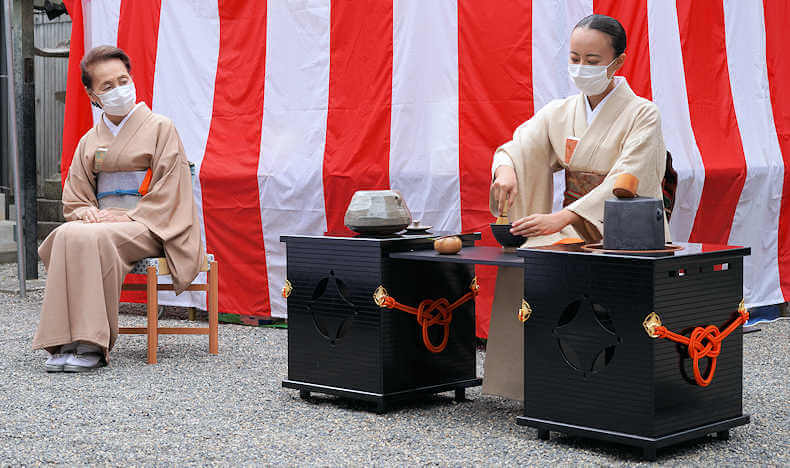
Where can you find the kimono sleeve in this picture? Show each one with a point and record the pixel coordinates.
(643, 154)
(533, 159)
(79, 190)
(169, 211)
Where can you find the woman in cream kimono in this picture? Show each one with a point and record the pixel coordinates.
(88, 257)
(604, 131)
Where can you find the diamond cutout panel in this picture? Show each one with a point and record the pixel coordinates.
(331, 295)
(586, 336)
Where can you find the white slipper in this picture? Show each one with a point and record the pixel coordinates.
(83, 362)
(56, 362)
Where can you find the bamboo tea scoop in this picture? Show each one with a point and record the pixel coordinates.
(503, 218)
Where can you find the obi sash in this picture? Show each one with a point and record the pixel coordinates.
(121, 189)
(579, 184)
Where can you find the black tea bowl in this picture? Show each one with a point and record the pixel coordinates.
(504, 237)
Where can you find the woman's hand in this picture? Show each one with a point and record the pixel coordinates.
(113, 216)
(505, 187)
(91, 215)
(95, 215)
(544, 224)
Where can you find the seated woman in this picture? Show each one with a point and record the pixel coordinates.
(128, 195)
(605, 131)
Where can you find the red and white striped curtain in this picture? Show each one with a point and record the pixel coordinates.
(289, 106)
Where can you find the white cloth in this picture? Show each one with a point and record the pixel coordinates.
(501, 159)
(114, 129)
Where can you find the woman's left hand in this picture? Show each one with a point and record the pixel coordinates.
(543, 224)
(111, 216)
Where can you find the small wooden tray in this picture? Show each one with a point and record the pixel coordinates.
(598, 247)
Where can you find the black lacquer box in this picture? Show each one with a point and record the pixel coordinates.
(591, 368)
(340, 342)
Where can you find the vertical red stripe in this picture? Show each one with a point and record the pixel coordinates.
(713, 119)
(776, 15)
(229, 171)
(495, 96)
(633, 16)
(360, 102)
(78, 117)
(138, 35)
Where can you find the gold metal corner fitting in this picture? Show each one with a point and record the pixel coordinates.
(379, 295)
(475, 286)
(524, 312)
(287, 289)
(650, 323)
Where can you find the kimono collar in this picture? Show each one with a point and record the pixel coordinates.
(591, 136)
(114, 129)
(590, 113)
(117, 143)
(615, 101)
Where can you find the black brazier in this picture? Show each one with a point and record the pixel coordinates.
(341, 342)
(591, 368)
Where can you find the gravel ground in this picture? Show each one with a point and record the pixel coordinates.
(197, 409)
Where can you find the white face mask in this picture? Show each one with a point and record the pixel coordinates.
(590, 79)
(119, 100)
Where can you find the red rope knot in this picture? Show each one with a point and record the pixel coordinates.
(703, 342)
(429, 313)
(698, 350)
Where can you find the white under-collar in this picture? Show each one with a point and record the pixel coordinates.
(591, 113)
(114, 129)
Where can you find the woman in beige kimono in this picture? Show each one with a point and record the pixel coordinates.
(112, 221)
(604, 131)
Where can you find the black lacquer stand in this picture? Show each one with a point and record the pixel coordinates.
(592, 370)
(341, 343)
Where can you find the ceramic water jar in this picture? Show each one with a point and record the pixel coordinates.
(377, 212)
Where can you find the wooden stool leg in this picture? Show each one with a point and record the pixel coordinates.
(153, 309)
(213, 306)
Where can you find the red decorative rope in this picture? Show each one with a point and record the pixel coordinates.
(433, 312)
(704, 342)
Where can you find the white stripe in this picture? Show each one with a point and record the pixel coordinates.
(668, 81)
(100, 20)
(756, 220)
(552, 24)
(185, 72)
(293, 135)
(423, 161)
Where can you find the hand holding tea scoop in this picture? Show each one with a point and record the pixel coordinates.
(504, 188)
